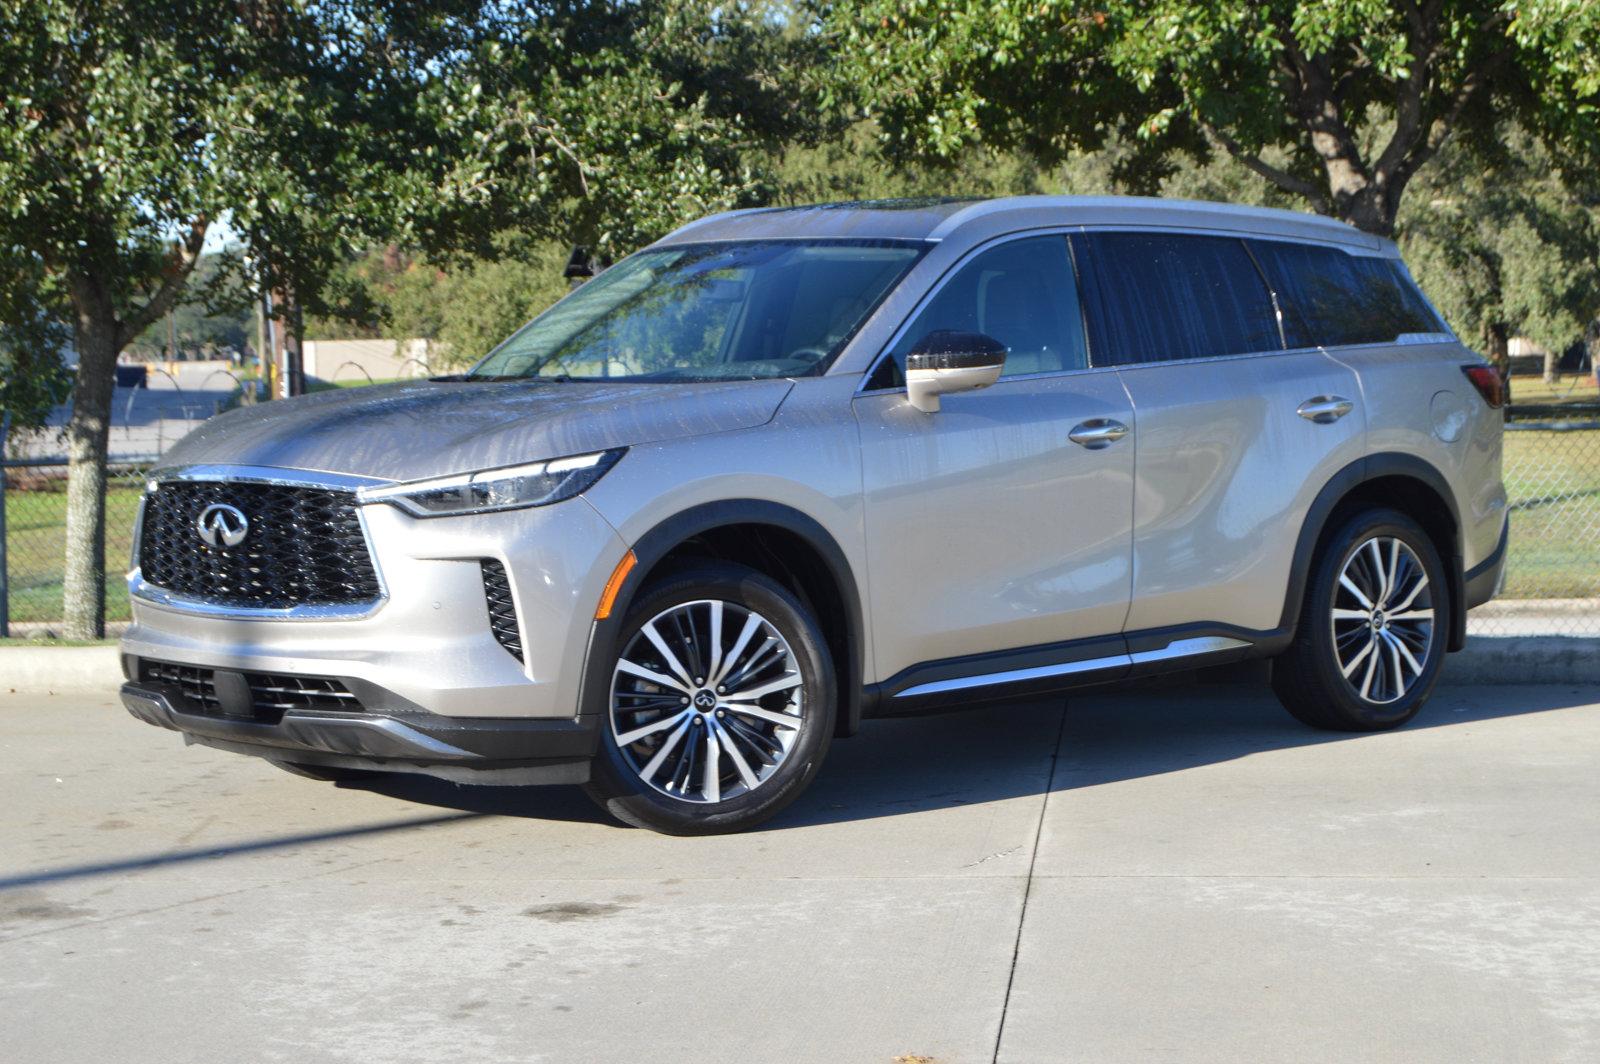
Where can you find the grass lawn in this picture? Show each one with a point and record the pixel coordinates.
(36, 524)
(1569, 389)
(350, 382)
(1553, 481)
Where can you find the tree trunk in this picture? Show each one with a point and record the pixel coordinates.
(1550, 366)
(1591, 339)
(88, 433)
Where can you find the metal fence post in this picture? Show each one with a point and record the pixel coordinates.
(5, 583)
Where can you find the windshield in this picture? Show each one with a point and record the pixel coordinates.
(734, 311)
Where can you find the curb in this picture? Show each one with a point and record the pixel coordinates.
(60, 670)
(1492, 660)
(1525, 659)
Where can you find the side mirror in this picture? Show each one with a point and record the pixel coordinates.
(951, 361)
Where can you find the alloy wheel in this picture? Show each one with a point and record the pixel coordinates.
(706, 701)
(1383, 619)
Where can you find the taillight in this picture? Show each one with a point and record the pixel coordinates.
(1489, 383)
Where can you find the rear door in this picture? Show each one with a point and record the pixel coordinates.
(1236, 434)
(988, 529)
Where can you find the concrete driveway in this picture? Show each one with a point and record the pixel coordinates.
(1177, 875)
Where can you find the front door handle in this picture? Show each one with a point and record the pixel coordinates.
(1325, 409)
(1097, 433)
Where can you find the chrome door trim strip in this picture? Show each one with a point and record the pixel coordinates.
(1066, 668)
(1180, 648)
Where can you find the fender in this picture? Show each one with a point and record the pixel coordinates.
(1361, 471)
(657, 543)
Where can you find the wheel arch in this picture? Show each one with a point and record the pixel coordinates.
(786, 544)
(1401, 482)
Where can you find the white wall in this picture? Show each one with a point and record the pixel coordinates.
(341, 360)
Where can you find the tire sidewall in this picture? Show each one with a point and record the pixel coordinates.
(616, 785)
(1341, 548)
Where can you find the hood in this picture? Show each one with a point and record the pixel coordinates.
(431, 428)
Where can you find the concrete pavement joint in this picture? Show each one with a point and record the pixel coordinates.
(1027, 889)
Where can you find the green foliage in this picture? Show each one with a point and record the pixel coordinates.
(1313, 82)
(1509, 244)
(463, 307)
(607, 124)
(33, 380)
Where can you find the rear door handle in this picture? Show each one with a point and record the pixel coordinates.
(1325, 409)
(1097, 433)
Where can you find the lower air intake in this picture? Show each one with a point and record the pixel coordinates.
(502, 612)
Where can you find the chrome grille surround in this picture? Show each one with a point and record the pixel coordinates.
(350, 586)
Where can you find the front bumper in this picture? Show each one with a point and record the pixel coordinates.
(428, 646)
(464, 749)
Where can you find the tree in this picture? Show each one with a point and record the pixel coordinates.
(1354, 96)
(33, 381)
(127, 129)
(1508, 246)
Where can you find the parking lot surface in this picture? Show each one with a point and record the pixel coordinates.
(1174, 874)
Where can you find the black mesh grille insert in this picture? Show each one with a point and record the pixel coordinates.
(502, 613)
(270, 694)
(304, 546)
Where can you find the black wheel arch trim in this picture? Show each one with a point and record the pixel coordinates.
(672, 532)
(1341, 484)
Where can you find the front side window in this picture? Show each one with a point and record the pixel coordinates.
(1330, 297)
(1022, 294)
(1153, 297)
(727, 311)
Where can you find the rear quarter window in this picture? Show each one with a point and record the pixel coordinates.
(1153, 297)
(1330, 298)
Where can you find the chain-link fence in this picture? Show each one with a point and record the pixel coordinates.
(1552, 476)
(33, 535)
(1552, 583)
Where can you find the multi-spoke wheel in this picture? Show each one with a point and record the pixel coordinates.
(1369, 643)
(1383, 619)
(721, 703)
(700, 713)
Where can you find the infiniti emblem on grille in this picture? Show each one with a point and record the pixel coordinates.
(221, 525)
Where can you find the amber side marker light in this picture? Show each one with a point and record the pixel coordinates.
(608, 597)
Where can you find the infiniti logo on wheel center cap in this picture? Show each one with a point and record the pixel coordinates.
(221, 525)
(704, 700)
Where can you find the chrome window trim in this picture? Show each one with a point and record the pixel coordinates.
(154, 595)
(1069, 230)
(1180, 648)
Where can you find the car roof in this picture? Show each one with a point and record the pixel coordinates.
(978, 219)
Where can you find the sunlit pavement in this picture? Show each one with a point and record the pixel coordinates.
(1182, 874)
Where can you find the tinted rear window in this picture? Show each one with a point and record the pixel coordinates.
(1151, 297)
(1331, 298)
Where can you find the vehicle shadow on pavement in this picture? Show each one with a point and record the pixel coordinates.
(208, 853)
(898, 767)
(994, 753)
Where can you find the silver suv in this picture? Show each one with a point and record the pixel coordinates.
(787, 469)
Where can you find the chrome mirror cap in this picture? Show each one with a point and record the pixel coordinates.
(951, 361)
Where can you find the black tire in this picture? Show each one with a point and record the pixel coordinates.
(1307, 677)
(615, 782)
(327, 773)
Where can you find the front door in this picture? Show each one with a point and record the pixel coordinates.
(988, 529)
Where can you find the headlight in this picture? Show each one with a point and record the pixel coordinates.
(535, 484)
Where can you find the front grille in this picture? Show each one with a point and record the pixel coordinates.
(502, 612)
(271, 695)
(195, 684)
(304, 546)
